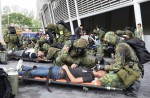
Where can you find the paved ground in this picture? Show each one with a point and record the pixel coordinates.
(38, 89)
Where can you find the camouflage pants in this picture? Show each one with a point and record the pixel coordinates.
(111, 80)
(100, 51)
(11, 46)
(61, 38)
(87, 61)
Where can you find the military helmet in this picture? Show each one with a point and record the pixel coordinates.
(34, 39)
(61, 27)
(81, 43)
(42, 39)
(51, 26)
(110, 37)
(129, 33)
(119, 32)
(51, 53)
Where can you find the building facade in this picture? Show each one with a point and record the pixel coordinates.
(110, 14)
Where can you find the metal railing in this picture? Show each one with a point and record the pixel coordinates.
(91, 6)
(85, 7)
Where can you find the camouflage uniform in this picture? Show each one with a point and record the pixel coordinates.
(11, 40)
(12, 46)
(124, 55)
(25, 44)
(120, 33)
(66, 57)
(54, 30)
(46, 46)
(63, 33)
(69, 54)
(32, 45)
(33, 42)
(43, 39)
(130, 33)
(100, 33)
(36, 48)
(52, 53)
(20, 39)
(100, 50)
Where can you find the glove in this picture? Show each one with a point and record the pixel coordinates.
(106, 67)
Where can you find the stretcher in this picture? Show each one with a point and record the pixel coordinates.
(93, 84)
(11, 57)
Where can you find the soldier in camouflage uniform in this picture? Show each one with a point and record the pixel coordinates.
(32, 43)
(120, 33)
(11, 40)
(46, 46)
(60, 30)
(52, 31)
(52, 53)
(100, 33)
(43, 39)
(74, 53)
(63, 33)
(126, 69)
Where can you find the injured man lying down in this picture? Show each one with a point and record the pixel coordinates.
(73, 74)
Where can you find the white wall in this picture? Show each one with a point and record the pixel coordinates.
(147, 41)
(146, 23)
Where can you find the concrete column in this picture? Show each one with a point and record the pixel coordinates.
(77, 13)
(70, 21)
(52, 13)
(44, 17)
(42, 20)
(1, 34)
(137, 12)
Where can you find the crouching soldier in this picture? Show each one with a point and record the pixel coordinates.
(125, 70)
(74, 52)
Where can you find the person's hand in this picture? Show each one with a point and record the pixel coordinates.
(36, 45)
(40, 53)
(64, 67)
(67, 49)
(73, 66)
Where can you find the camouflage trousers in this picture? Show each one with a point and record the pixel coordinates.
(62, 38)
(11, 46)
(111, 80)
(100, 51)
(88, 61)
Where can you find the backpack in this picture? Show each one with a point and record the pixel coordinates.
(7, 38)
(5, 86)
(14, 38)
(139, 47)
(142, 53)
(12, 30)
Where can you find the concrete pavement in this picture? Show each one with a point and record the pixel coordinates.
(38, 89)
